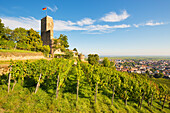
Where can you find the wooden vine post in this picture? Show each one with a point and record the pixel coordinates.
(38, 84)
(164, 101)
(142, 100)
(77, 90)
(57, 91)
(148, 102)
(151, 99)
(126, 98)
(63, 70)
(9, 79)
(96, 92)
(14, 84)
(113, 94)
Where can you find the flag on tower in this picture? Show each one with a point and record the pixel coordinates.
(44, 8)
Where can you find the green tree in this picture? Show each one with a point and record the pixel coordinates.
(64, 40)
(160, 75)
(7, 33)
(3, 37)
(1, 28)
(6, 44)
(57, 45)
(46, 49)
(3, 42)
(34, 39)
(93, 59)
(19, 35)
(68, 54)
(106, 62)
(75, 49)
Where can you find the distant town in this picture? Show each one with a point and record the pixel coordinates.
(153, 68)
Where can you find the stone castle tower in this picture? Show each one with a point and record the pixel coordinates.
(47, 26)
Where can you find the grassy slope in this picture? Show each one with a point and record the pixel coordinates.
(5, 52)
(22, 100)
(19, 51)
(8, 53)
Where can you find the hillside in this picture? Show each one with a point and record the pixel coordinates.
(23, 100)
(18, 53)
(7, 55)
(58, 85)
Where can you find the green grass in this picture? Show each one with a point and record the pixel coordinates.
(24, 100)
(17, 51)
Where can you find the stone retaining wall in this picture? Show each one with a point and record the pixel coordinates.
(7, 56)
(2, 58)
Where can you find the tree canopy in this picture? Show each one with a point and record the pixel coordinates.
(20, 38)
(1, 28)
(64, 40)
(106, 62)
(93, 59)
(75, 49)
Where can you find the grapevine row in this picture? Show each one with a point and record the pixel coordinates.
(85, 79)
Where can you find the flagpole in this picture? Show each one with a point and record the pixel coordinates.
(46, 12)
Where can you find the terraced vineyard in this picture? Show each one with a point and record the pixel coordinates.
(60, 85)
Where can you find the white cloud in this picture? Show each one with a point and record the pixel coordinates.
(60, 25)
(121, 26)
(113, 17)
(136, 25)
(31, 22)
(14, 22)
(85, 21)
(149, 23)
(54, 9)
(100, 29)
(105, 27)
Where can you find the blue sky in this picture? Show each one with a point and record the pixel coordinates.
(105, 27)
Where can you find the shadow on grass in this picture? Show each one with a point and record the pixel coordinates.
(160, 109)
(149, 109)
(161, 105)
(4, 79)
(29, 83)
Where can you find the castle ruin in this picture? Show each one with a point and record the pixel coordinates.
(47, 26)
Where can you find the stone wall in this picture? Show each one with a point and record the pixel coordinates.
(4, 68)
(6, 56)
(20, 57)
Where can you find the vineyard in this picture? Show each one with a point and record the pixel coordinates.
(61, 85)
